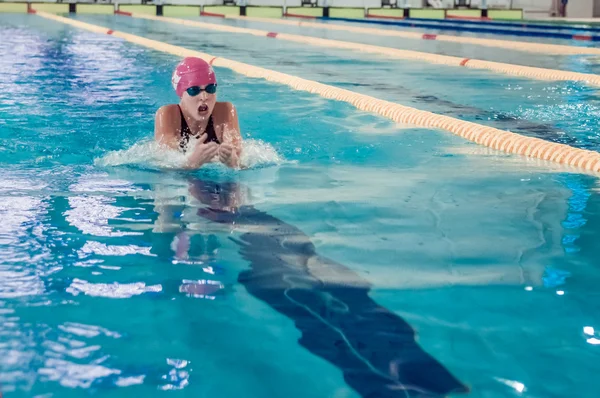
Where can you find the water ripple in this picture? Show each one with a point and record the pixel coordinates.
(83, 330)
(111, 290)
(73, 375)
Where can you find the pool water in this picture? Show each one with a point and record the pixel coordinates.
(308, 273)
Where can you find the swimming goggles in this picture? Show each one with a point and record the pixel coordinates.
(195, 90)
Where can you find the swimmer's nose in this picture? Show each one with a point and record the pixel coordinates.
(204, 95)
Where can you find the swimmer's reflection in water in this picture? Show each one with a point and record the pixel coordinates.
(329, 303)
(227, 200)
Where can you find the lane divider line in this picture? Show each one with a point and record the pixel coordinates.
(540, 48)
(498, 67)
(211, 14)
(487, 136)
(299, 16)
(582, 37)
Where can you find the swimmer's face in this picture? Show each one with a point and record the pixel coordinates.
(199, 104)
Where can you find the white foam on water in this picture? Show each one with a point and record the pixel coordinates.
(255, 154)
(146, 153)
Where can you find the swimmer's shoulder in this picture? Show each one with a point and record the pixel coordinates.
(224, 112)
(170, 111)
(168, 116)
(167, 122)
(224, 109)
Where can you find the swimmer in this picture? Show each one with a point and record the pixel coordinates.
(199, 116)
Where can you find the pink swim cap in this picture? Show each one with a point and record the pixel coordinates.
(192, 72)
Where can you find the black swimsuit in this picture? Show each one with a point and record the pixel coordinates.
(186, 133)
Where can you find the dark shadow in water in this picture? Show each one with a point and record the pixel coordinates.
(329, 303)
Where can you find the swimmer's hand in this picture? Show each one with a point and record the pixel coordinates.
(227, 155)
(203, 153)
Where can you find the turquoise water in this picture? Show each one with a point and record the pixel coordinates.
(123, 276)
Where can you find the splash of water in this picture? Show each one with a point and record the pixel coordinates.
(257, 153)
(149, 154)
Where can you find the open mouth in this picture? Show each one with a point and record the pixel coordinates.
(203, 108)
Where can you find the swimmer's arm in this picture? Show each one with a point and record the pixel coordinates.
(232, 135)
(165, 126)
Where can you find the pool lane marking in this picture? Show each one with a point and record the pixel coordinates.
(294, 16)
(582, 37)
(505, 141)
(211, 14)
(530, 47)
(498, 67)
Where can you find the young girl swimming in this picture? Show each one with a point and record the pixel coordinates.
(199, 116)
